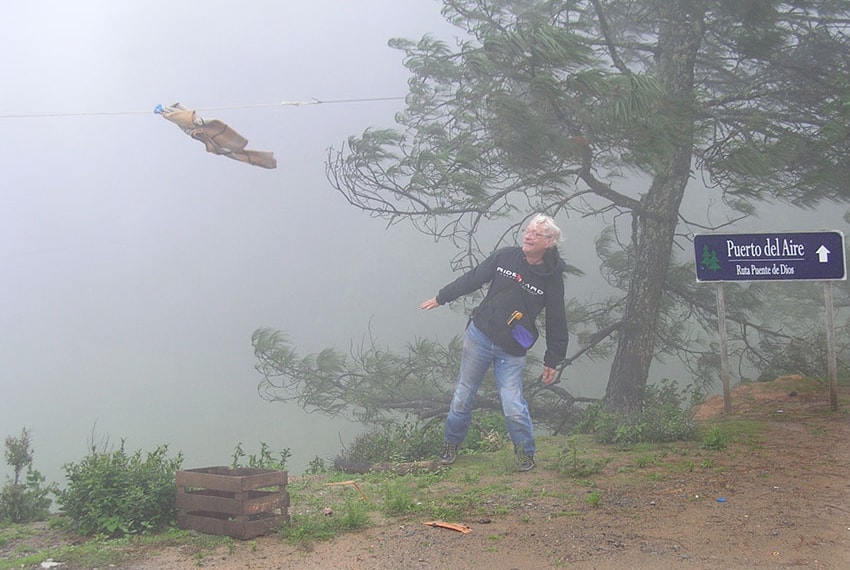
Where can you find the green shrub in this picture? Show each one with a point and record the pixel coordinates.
(408, 441)
(115, 494)
(666, 415)
(398, 498)
(316, 466)
(488, 432)
(353, 515)
(569, 461)
(394, 442)
(26, 501)
(715, 439)
(263, 460)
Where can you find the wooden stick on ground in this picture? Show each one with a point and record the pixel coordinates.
(354, 484)
(451, 526)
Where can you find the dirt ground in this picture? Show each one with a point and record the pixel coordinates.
(781, 499)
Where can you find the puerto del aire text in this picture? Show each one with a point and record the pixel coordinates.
(772, 248)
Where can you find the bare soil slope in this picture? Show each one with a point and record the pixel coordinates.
(776, 498)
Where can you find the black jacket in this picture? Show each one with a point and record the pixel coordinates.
(516, 285)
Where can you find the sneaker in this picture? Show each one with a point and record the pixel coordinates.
(525, 461)
(449, 454)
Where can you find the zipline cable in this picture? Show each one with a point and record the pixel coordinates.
(204, 109)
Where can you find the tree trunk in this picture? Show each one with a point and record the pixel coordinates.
(679, 40)
(652, 250)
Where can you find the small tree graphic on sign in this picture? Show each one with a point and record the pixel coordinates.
(709, 259)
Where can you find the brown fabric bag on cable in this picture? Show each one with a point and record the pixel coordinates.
(217, 136)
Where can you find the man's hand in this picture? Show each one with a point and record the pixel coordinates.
(429, 304)
(548, 375)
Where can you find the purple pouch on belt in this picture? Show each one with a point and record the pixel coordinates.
(523, 336)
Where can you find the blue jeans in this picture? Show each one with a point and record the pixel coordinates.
(479, 353)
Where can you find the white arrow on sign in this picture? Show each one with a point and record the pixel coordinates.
(823, 254)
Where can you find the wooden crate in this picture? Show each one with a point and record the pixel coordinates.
(243, 503)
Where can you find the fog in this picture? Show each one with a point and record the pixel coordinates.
(135, 265)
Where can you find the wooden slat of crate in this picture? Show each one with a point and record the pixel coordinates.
(248, 503)
(219, 524)
(230, 480)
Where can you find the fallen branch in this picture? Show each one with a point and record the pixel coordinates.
(352, 483)
(403, 468)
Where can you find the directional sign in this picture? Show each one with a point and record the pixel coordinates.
(807, 256)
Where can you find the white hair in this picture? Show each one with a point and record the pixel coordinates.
(547, 224)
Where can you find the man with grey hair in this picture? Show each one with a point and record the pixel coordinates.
(523, 282)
